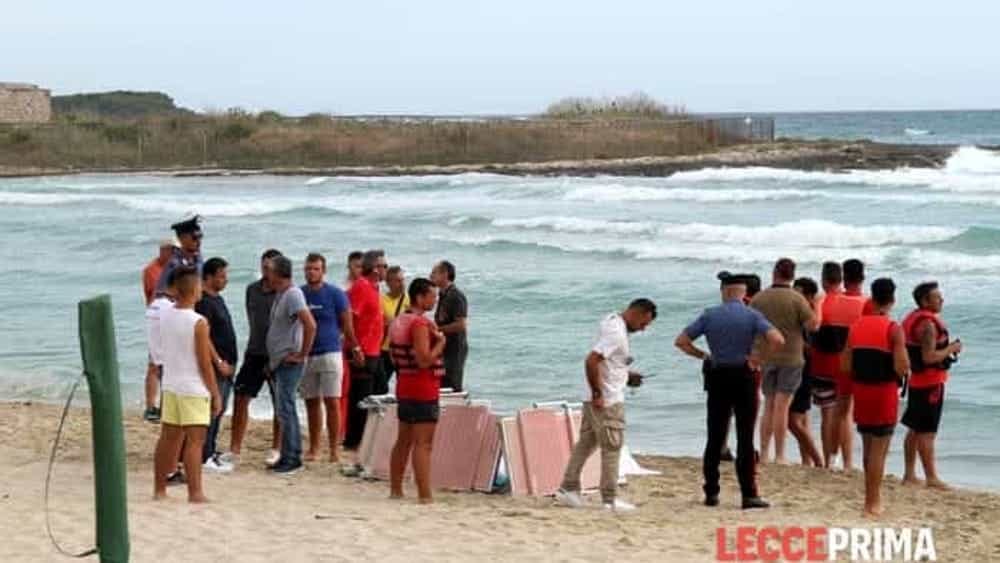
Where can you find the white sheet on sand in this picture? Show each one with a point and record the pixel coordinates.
(627, 465)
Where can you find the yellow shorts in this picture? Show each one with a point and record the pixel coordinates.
(185, 410)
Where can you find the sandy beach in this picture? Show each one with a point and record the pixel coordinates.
(318, 515)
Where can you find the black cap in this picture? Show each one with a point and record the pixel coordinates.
(187, 226)
(727, 278)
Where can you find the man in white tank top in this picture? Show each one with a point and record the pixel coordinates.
(190, 394)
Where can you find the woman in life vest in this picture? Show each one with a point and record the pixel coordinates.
(876, 358)
(931, 355)
(416, 346)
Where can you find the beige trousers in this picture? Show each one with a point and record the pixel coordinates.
(604, 428)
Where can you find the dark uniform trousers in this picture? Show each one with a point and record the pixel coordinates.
(731, 390)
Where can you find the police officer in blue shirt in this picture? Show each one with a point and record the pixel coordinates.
(730, 329)
(188, 254)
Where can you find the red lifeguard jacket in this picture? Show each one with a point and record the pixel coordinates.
(837, 313)
(923, 374)
(876, 384)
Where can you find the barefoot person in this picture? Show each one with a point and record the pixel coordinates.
(322, 383)
(289, 339)
(730, 329)
(190, 395)
(931, 356)
(876, 358)
(792, 315)
(417, 349)
(254, 371)
(838, 312)
(798, 410)
(603, 426)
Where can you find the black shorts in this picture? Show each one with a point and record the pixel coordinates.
(252, 375)
(802, 400)
(877, 430)
(923, 409)
(824, 392)
(414, 412)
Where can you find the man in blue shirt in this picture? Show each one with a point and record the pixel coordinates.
(188, 254)
(324, 373)
(730, 329)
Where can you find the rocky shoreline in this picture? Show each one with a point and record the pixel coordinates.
(788, 154)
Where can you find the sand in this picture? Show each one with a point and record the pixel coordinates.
(318, 515)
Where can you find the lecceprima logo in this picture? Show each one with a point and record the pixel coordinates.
(796, 543)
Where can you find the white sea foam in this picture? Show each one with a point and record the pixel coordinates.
(316, 181)
(969, 169)
(916, 132)
(577, 225)
(895, 257)
(796, 234)
(621, 193)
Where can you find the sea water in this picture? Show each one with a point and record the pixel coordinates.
(541, 260)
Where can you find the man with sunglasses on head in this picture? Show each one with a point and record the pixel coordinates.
(187, 255)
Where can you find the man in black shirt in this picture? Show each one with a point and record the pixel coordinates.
(220, 326)
(451, 316)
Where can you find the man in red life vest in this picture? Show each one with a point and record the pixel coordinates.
(931, 355)
(832, 386)
(877, 360)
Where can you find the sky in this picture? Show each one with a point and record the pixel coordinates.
(512, 56)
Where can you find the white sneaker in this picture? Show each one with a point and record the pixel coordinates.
(229, 458)
(213, 465)
(272, 458)
(619, 506)
(570, 499)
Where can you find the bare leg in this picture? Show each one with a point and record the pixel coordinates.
(168, 448)
(828, 434)
(910, 459)
(398, 459)
(194, 441)
(152, 385)
(332, 405)
(766, 428)
(798, 425)
(925, 446)
(241, 417)
(779, 418)
(423, 440)
(314, 414)
(845, 436)
(875, 450)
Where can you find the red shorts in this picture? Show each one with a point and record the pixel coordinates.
(876, 405)
(845, 385)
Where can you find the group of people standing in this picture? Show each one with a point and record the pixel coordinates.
(839, 350)
(333, 347)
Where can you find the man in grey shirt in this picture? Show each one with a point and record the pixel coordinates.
(289, 340)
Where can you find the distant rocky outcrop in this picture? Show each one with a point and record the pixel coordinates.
(118, 104)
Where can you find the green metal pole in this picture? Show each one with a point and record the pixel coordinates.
(100, 362)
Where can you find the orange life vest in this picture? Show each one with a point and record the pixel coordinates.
(923, 374)
(871, 350)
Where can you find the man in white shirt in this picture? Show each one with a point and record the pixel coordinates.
(604, 408)
(155, 371)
